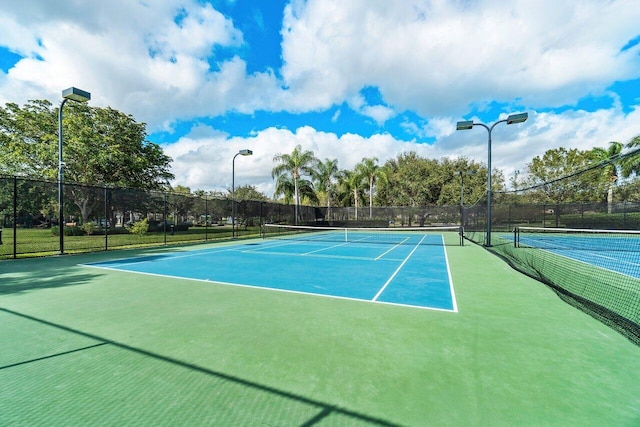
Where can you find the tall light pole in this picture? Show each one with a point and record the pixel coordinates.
(465, 125)
(244, 152)
(77, 95)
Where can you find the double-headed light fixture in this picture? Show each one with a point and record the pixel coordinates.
(465, 125)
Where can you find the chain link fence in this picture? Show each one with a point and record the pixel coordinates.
(98, 218)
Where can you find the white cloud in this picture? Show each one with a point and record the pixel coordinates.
(202, 160)
(151, 60)
(438, 57)
(205, 163)
(156, 60)
(379, 113)
(516, 145)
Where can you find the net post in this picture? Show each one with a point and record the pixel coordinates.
(516, 236)
(461, 232)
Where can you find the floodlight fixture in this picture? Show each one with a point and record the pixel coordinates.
(76, 94)
(517, 118)
(464, 125)
(245, 152)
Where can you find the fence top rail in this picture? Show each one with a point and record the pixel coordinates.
(574, 230)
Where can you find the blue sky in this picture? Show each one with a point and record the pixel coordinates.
(348, 80)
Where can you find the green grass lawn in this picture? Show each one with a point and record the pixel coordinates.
(42, 242)
(82, 346)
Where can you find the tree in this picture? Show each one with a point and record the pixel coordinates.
(611, 171)
(325, 177)
(180, 202)
(286, 188)
(291, 167)
(28, 139)
(107, 146)
(249, 192)
(631, 164)
(101, 146)
(369, 168)
(352, 184)
(559, 176)
(415, 181)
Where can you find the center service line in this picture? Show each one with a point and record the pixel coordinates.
(375, 298)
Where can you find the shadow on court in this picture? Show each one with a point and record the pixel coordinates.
(313, 412)
(29, 277)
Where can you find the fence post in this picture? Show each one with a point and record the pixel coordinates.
(261, 219)
(15, 216)
(106, 222)
(164, 217)
(206, 218)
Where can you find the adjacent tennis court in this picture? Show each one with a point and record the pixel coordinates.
(395, 266)
(614, 250)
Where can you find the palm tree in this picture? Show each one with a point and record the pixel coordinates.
(352, 183)
(324, 178)
(291, 167)
(631, 164)
(611, 171)
(286, 187)
(372, 172)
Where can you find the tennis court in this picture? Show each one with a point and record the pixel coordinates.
(406, 268)
(106, 346)
(616, 251)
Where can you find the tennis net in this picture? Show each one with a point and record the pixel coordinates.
(577, 239)
(445, 235)
(595, 270)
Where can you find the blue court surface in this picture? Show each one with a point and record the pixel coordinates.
(617, 254)
(414, 275)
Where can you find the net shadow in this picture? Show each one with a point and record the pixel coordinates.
(322, 410)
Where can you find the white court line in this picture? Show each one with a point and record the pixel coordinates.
(283, 243)
(591, 264)
(375, 298)
(394, 248)
(592, 254)
(269, 288)
(153, 257)
(318, 255)
(324, 249)
(453, 293)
